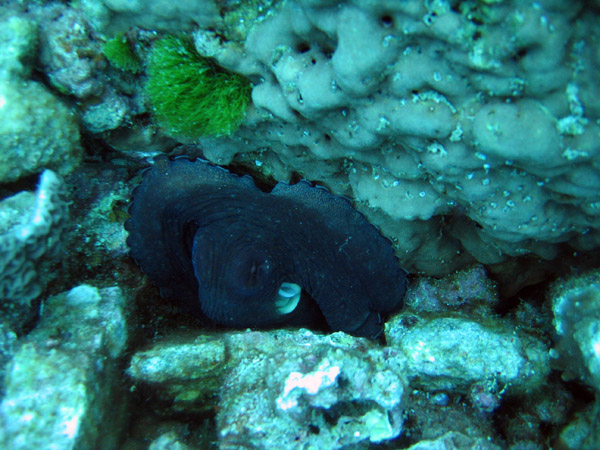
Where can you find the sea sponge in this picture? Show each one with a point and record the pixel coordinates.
(190, 95)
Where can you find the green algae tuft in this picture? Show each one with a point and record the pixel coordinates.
(191, 96)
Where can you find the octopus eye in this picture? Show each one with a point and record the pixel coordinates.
(251, 272)
(256, 272)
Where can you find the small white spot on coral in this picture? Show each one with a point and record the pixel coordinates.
(312, 382)
(25, 232)
(37, 219)
(383, 123)
(437, 149)
(27, 417)
(71, 425)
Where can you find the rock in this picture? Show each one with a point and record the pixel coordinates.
(63, 380)
(453, 353)
(576, 308)
(37, 131)
(454, 440)
(282, 389)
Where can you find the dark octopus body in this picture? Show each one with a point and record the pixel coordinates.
(213, 239)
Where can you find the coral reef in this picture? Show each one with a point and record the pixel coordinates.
(282, 388)
(162, 15)
(36, 130)
(32, 237)
(454, 353)
(468, 132)
(576, 307)
(442, 373)
(480, 120)
(72, 353)
(70, 54)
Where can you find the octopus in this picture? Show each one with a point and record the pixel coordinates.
(246, 258)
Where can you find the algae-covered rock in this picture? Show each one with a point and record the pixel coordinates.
(454, 343)
(282, 389)
(299, 390)
(454, 353)
(69, 51)
(466, 290)
(454, 440)
(576, 308)
(185, 370)
(63, 380)
(168, 441)
(18, 40)
(8, 339)
(583, 431)
(37, 131)
(72, 57)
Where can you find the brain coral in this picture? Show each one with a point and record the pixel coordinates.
(31, 239)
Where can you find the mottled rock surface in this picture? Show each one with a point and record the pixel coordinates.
(37, 131)
(64, 379)
(278, 388)
(453, 353)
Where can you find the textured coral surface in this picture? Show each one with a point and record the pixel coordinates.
(479, 118)
(467, 131)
